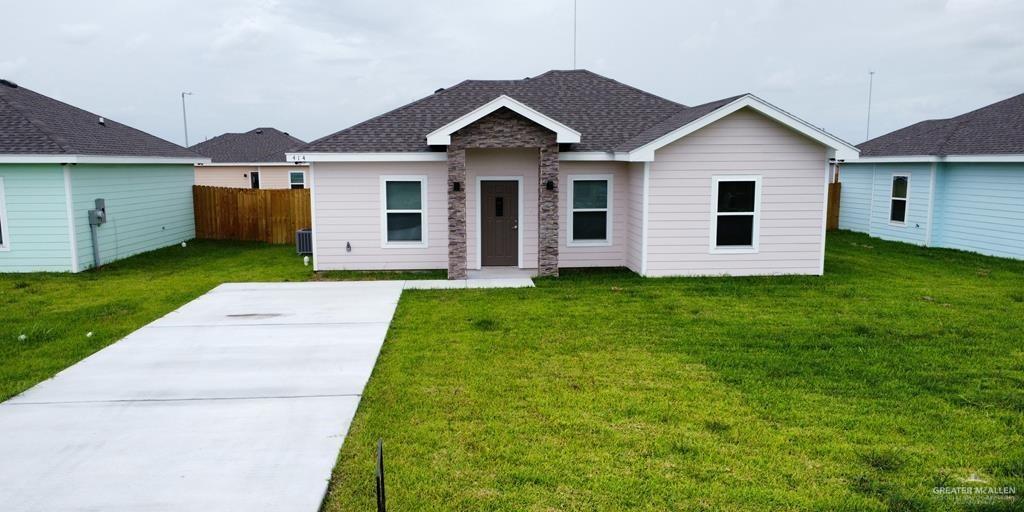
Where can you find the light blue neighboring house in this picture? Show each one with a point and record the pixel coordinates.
(955, 183)
(56, 160)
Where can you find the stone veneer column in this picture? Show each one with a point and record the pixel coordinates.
(457, 213)
(547, 211)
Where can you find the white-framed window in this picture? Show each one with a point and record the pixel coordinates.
(898, 199)
(403, 211)
(254, 179)
(5, 234)
(735, 213)
(297, 179)
(590, 209)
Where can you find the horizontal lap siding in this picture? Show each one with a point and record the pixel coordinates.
(37, 220)
(792, 170)
(148, 207)
(979, 208)
(855, 198)
(613, 255)
(238, 176)
(634, 217)
(347, 209)
(915, 229)
(504, 162)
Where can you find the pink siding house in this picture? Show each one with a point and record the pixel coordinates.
(572, 169)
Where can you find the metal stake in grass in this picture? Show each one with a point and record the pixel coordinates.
(381, 505)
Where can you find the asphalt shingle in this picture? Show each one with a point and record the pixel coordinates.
(34, 124)
(997, 129)
(610, 115)
(254, 146)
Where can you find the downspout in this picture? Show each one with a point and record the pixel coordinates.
(644, 218)
(931, 206)
(95, 245)
(69, 207)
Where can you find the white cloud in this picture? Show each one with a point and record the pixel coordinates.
(315, 66)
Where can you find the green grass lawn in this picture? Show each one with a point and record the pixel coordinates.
(900, 370)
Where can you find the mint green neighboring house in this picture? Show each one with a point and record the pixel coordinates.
(956, 183)
(56, 160)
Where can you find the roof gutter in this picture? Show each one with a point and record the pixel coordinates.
(937, 158)
(97, 159)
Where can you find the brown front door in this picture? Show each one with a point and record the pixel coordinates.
(499, 219)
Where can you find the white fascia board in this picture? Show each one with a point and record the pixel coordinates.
(410, 156)
(443, 135)
(843, 150)
(97, 159)
(934, 158)
(593, 156)
(433, 156)
(253, 164)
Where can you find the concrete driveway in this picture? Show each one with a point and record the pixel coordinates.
(239, 400)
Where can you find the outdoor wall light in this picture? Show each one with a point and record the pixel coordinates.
(550, 185)
(457, 186)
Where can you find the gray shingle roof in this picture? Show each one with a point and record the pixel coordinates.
(256, 145)
(610, 115)
(33, 124)
(997, 129)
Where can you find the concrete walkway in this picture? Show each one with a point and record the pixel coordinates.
(239, 400)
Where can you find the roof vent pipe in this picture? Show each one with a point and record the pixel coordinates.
(439, 90)
(102, 121)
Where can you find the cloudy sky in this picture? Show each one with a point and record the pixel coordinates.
(312, 67)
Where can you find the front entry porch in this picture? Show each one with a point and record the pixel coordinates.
(502, 196)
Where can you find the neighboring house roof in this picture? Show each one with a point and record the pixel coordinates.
(34, 124)
(254, 146)
(997, 129)
(592, 112)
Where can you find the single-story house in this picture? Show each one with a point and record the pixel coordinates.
(956, 183)
(572, 169)
(69, 177)
(254, 159)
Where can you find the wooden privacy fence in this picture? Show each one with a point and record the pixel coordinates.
(832, 219)
(265, 215)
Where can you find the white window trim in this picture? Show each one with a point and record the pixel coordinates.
(573, 178)
(384, 243)
(713, 248)
(906, 200)
(4, 226)
(480, 222)
(302, 172)
(259, 179)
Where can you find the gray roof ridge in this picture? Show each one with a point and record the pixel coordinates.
(216, 140)
(39, 125)
(608, 79)
(941, 147)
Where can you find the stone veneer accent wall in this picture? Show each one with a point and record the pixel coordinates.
(504, 129)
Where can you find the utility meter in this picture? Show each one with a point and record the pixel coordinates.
(98, 216)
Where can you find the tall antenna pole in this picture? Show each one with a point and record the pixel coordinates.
(574, 34)
(871, 83)
(184, 116)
